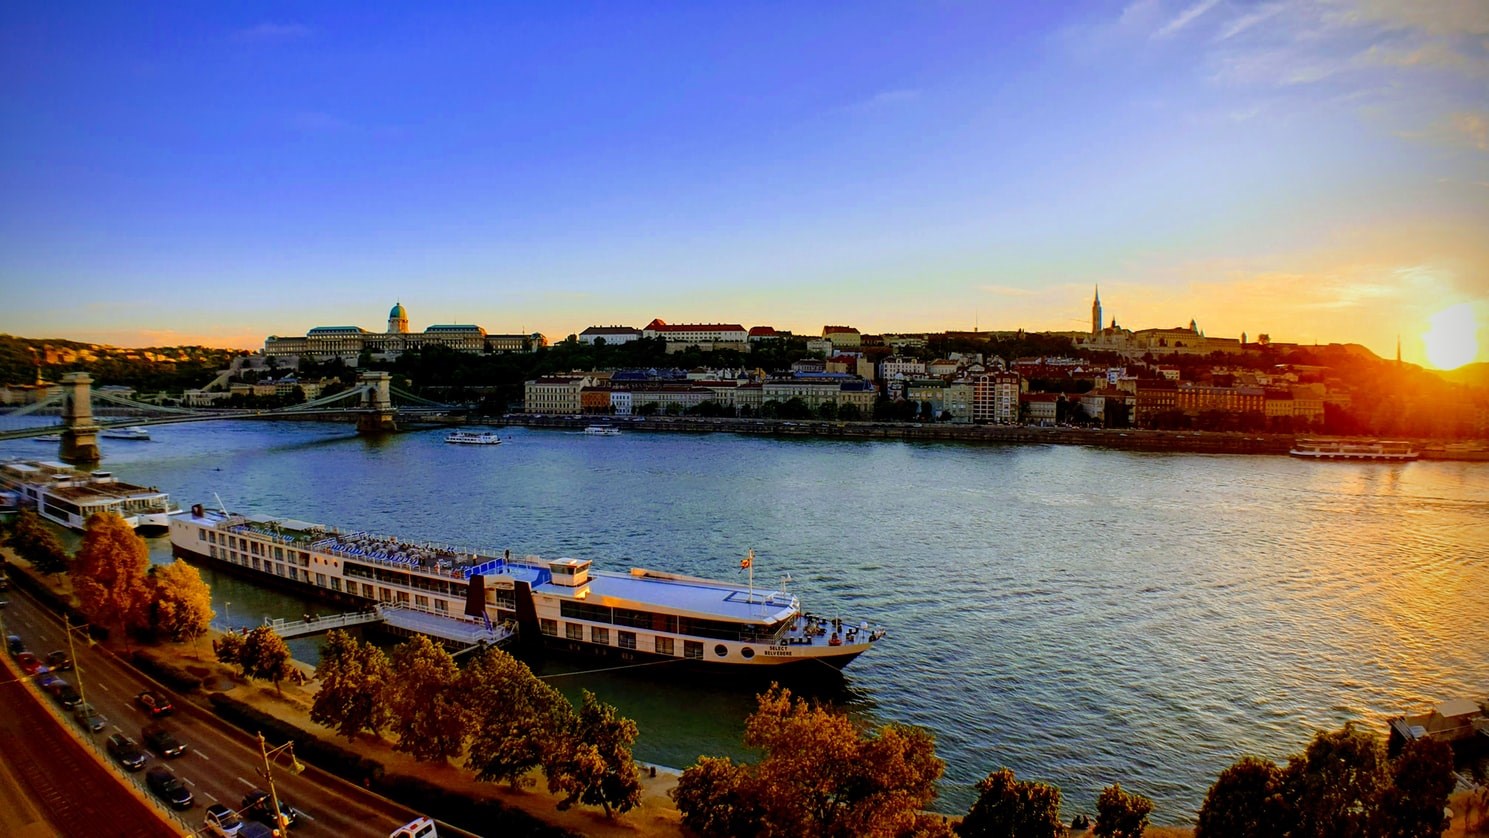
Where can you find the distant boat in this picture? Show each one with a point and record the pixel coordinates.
(126, 433)
(473, 438)
(602, 430)
(48, 438)
(1335, 449)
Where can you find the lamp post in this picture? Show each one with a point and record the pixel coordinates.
(77, 666)
(280, 823)
(227, 614)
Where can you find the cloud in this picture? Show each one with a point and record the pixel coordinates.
(1434, 54)
(1435, 17)
(1472, 128)
(1185, 18)
(1245, 22)
(274, 33)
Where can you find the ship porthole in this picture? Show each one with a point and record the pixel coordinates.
(747, 652)
(721, 650)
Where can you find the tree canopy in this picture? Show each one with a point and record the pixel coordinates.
(265, 656)
(515, 719)
(1007, 806)
(593, 766)
(427, 715)
(109, 574)
(1245, 800)
(182, 604)
(1120, 813)
(32, 541)
(353, 677)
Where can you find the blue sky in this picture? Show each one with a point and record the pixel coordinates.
(218, 172)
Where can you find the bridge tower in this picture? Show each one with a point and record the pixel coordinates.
(379, 404)
(79, 432)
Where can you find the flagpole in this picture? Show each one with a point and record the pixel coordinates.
(750, 558)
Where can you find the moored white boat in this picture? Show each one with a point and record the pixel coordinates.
(473, 438)
(67, 496)
(135, 433)
(602, 430)
(1337, 449)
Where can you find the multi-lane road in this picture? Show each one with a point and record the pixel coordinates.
(221, 765)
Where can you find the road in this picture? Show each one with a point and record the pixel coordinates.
(222, 763)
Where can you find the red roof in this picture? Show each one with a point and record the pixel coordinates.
(838, 330)
(659, 326)
(763, 331)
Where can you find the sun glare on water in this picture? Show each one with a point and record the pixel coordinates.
(1451, 340)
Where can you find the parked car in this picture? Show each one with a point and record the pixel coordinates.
(254, 829)
(154, 704)
(15, 643)
(162, 741)
(126, 752)
(88, 717)
(29, 663)
(167, 787)
(45, 680)
(257, 805)
(59, 660)
(65, 694)
(222, 821)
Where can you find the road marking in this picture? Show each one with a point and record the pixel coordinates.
(304, 814)
(202, 755)
(246, 783)
(187, 780)
(210, 794)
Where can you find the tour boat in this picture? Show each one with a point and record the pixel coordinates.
(66, 496)
(136, 433)
(639, 616)
(602, 430)
(1335, 449)
(473, 438)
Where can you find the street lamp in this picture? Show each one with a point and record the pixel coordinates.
(77, 665)
(280, 822)
(227, 614)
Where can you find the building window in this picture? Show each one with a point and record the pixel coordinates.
(573, 631)
(692, 649)
(664, 646)
(549, 627)
(625, 639)
(600, 636)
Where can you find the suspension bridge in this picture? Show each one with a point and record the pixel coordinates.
(374, 404)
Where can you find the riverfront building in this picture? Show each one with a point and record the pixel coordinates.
(348, 342)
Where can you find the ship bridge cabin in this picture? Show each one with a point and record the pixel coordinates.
(570, 573)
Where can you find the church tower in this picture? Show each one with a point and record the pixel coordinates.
(398, 320)
(1096, 312)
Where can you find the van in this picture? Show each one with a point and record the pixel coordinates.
(417, 828)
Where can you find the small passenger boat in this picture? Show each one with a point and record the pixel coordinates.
(1337, 449)
(135, 433)
(473, 438)
(602, 430)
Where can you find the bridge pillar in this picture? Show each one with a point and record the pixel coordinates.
(79, 432)
(380, 413)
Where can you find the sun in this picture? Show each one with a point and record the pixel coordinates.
(1450, 339)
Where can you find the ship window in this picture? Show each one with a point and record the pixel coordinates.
(721, 650)
(335, 584)
(585, 611)
(747, 652)
(201, 535)
(278, 554)
(367, 591)
(664, 646)
(625, 639)
(441, 605)
(320, 579)
(692, 649)
(599, 635)
(549, 627)
(573, 631)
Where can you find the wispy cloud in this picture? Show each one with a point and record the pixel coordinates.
(1185, 18)
(273, 33)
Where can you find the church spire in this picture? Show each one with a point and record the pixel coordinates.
(1096, 312)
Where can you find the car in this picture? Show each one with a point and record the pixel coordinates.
(167, 787)
(222, 821)
(88, 717)
(154, 704)
(29, 663)
(162, 741)
(45, 680)
(126, 752)
(65, 694)
(59, 660)
(257, 805)
(254, 829)
(16, 644)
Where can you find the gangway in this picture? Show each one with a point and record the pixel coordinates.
(316, 625)
(465, 632)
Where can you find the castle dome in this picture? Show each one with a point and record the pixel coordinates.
(398, 312)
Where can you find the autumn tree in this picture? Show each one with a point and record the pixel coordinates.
(182, 605)
(229, 650)
(1121, 814)
(1421, 780)
(1334, 786)
(1007, 806)
(593, 765)
(719, 798)
(109, 574)
(265, 656)
(822, 775)
(353, 678)
(32, 541)
(1245, 800)
(428, 716)
(516, 721)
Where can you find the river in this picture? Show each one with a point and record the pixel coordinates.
(1082, 616)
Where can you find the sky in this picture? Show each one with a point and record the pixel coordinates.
(213, 173)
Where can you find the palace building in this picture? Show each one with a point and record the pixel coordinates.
(349, 342)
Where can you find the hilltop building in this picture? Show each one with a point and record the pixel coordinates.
(349, 342)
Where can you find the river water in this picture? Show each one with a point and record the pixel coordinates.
(1081, 616)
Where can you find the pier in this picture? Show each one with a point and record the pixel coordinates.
(460, 632)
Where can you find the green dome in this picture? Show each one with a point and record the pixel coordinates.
(397, 313)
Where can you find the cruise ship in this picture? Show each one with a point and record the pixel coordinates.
(639, 616)
(66, 496)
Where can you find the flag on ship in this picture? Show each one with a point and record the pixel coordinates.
(748, 560)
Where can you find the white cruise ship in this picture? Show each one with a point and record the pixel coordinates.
(638, 616)
(66, 496)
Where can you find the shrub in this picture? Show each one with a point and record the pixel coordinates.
(171, 675)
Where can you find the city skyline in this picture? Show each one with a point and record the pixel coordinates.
(1316, 172)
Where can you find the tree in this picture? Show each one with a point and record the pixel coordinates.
(109, 574)
(427, 715)
(1244, 801)
(516, 720)
(594, 766)
(229, 650)
(264, 656)
(353, 678)
(1335, 785)
(32, 541)
(1006, 806)
(1121, 814)
(182, 607)
(1423, 778)
(720, 799)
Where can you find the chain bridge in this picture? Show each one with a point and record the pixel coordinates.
(374, 403)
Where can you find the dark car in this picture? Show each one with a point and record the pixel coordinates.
(126, 752)
(15, 643)
(45, 680)
(29, 663)
(257, 805)
(254, 829)
(168, 788)
(65, 693)
(59, 660)
(162, 742)
(89, 717)
(154, 704)
(222, 821)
